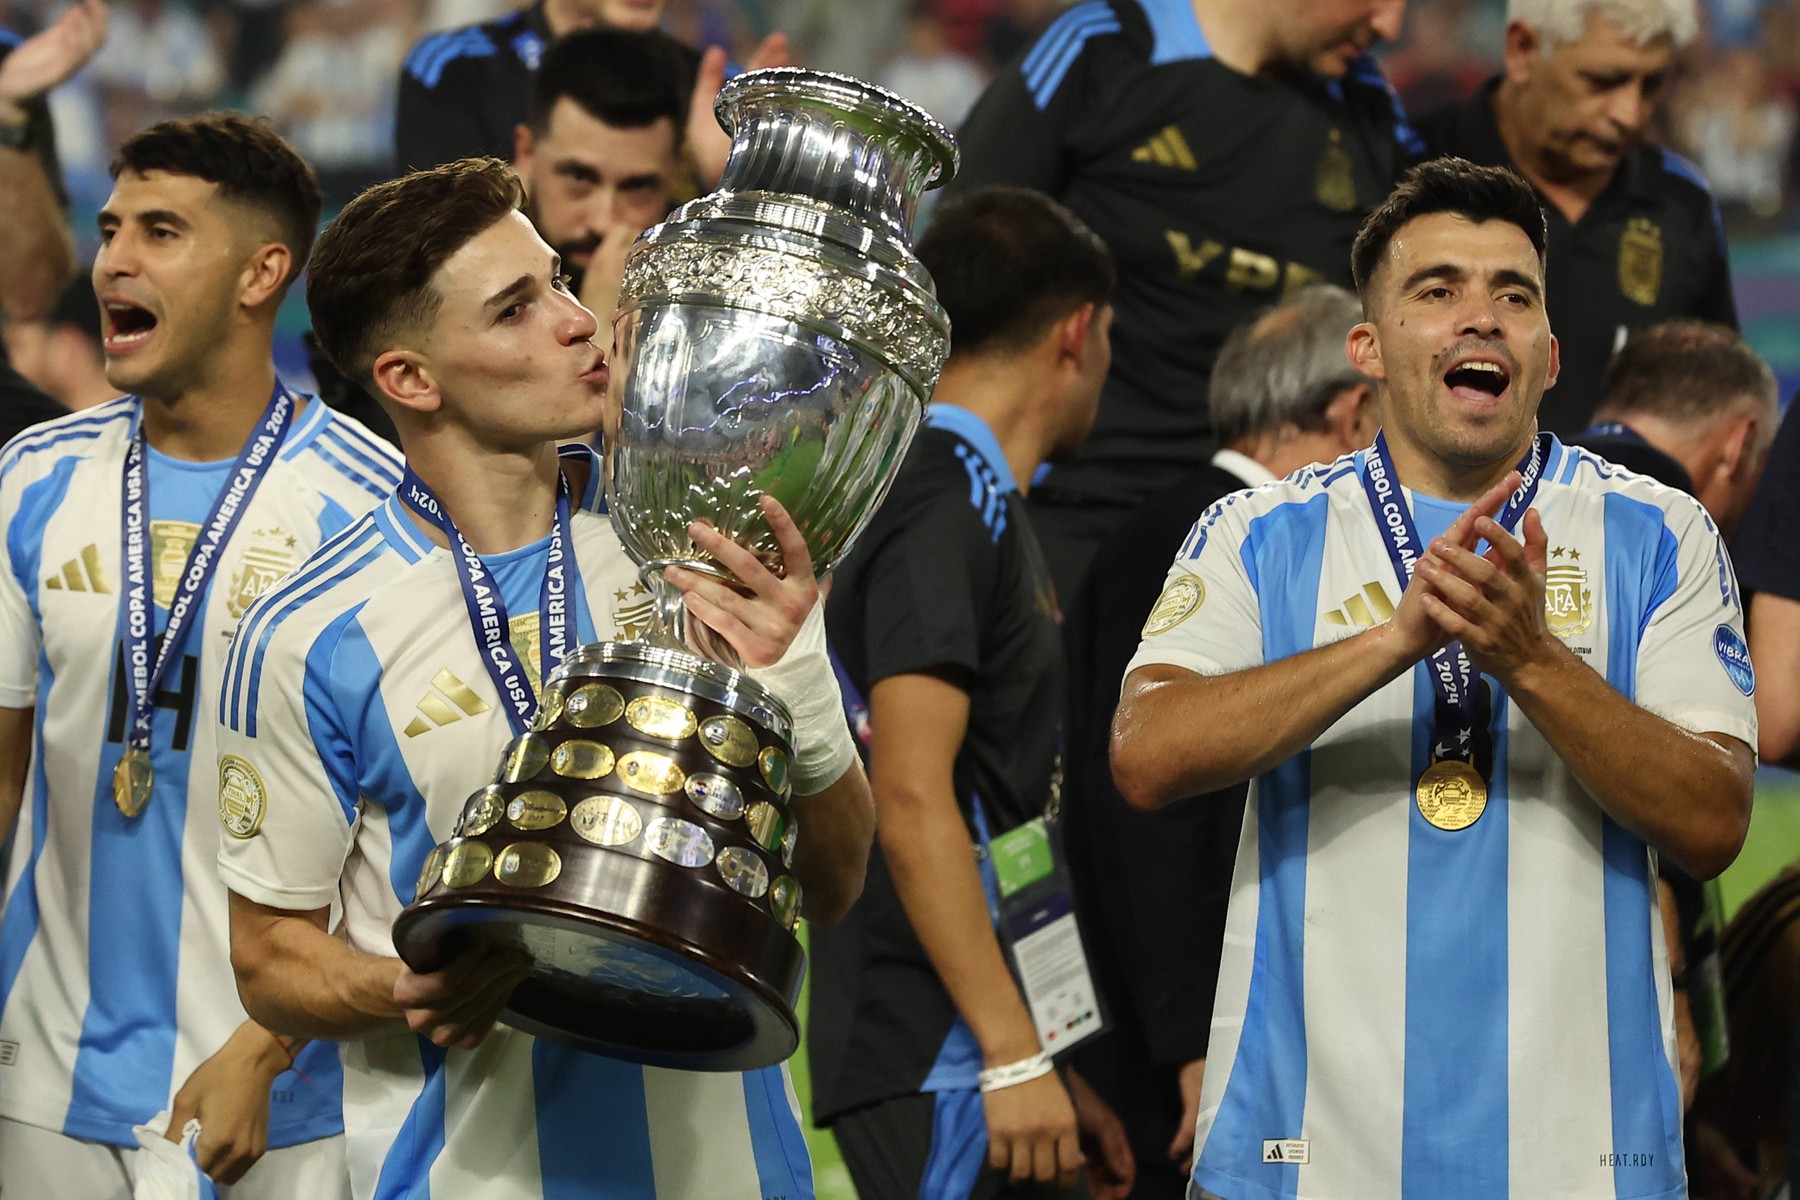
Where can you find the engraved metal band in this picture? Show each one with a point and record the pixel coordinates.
(805, 288)
(683, 672)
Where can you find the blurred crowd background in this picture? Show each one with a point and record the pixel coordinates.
(325, 72)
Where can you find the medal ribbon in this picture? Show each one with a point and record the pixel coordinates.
(1452, 675)
(487, 611)
(253, 462)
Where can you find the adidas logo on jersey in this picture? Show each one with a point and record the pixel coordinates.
(1368, 607)
(449, 701)
(1168, 148)
(1287, 1150)
(81, 574)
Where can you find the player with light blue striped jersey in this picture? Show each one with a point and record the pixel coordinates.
(133, 537)
(371, 694)
(1479, 681)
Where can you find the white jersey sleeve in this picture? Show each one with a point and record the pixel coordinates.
(1208, 619)
(20, 636)
(288, 796)
(1693, 666)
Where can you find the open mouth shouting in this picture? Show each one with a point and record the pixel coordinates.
(1482, 381)
(127, 325)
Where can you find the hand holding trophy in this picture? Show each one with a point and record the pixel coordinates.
(775, 338)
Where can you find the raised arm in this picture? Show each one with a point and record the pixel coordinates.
(1203, 720)
(1179, 733)
(37, 250)
(1685, 793)
(778, 630)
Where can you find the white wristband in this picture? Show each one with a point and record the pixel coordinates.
(803, 680)
(1014, 1073)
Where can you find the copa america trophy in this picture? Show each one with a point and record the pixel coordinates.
(775, 337)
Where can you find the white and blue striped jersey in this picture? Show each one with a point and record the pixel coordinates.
(357, 693)
(115, 972)
(1405, 1011)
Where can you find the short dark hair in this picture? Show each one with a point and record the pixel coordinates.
(371, 275)
(628, 80)
(1685, 371)
(1448, 185)
(1008, 264)
(247, 160)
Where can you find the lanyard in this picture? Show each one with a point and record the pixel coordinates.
(487, 611)
(142, 674)
(1452, 675)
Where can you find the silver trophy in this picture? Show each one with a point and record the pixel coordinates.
(775, 337)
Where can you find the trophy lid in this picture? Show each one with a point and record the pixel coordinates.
(833, 138)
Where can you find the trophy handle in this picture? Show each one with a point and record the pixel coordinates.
(674, 629)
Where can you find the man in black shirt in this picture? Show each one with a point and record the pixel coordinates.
(1227, 154)
(1152, 887)
(1690, 404)
(463, 91)
(944, 626)
(1767, 555)
(1635, 238)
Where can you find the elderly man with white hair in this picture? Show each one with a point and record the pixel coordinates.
(1635, 238)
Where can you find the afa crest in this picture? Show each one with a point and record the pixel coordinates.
(1641, 261)
(270, 555)
(1336, 184)
(1568, 598)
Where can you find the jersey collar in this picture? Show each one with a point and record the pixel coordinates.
(962, 423)
(1244, 467)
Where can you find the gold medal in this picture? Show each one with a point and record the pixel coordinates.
(1452, 794)
(132, 781)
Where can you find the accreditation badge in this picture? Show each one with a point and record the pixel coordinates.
(1037, 926)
